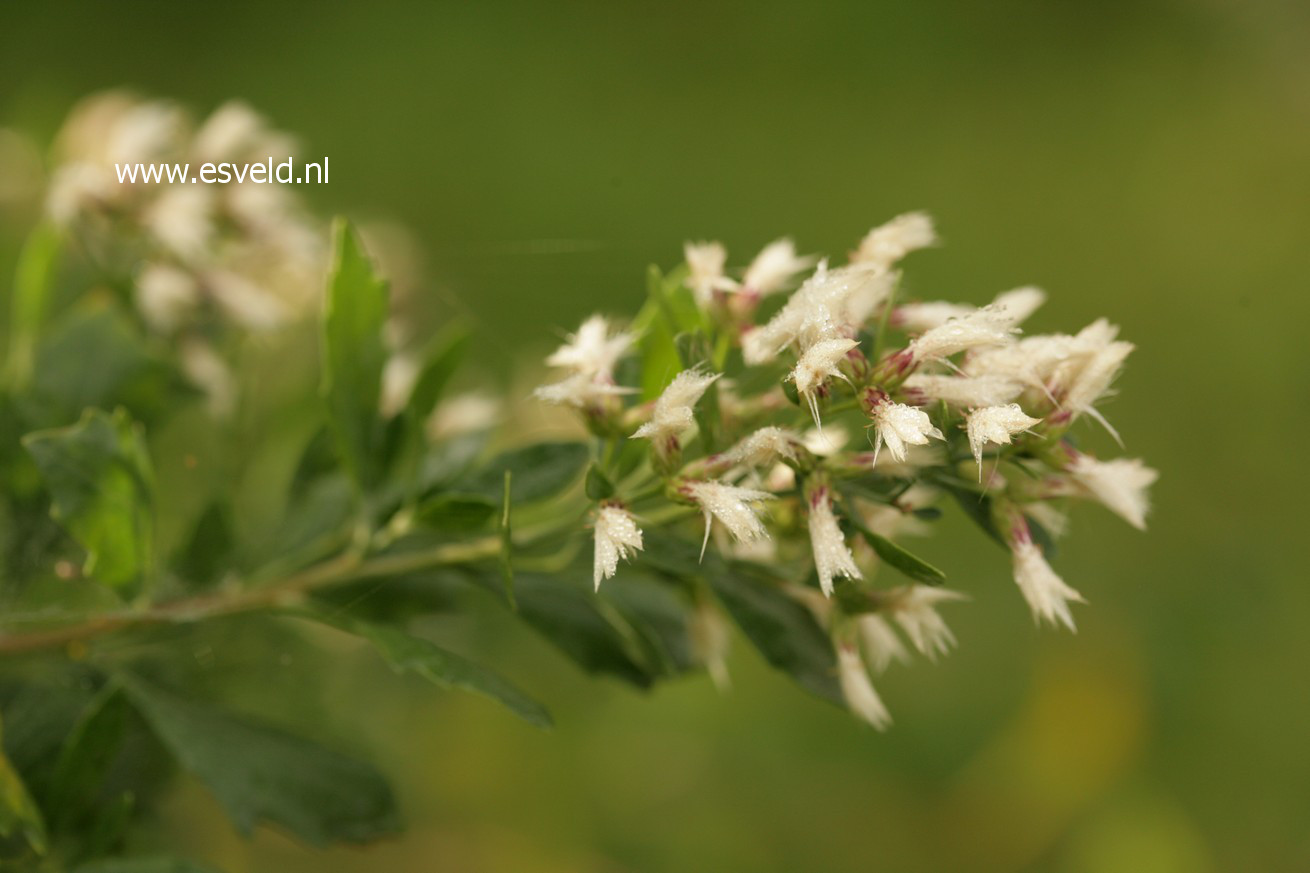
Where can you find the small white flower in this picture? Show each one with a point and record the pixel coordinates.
(1031, 361)
(888, 243)
(985, 327)
(1119, 484)
(828, 305)
(816, 366)
(828, 441)
(1016, 305)
(464, 413)
(234, 131)
(881, 645)
(166, 296)
(705, 262)
(925, 315)
(898, 426)
(1052, 519)
(995, 424)
(731, 506)
(915, 610)
(1020, 303)
(1047, 594)
(708, 634)
(182, 219)
(774, 267)
(617, 537)
(580, 391)
(831, 556)
(673, 408)
(1092, 380)
(144, 132)
(399, 376)
(75, 189)
(764, 447)
(245, 302)
(965, 391)
(593, 350)
(211, 374)
(860, 695)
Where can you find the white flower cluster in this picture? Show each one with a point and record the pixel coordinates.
(963, 397)
(243, 254)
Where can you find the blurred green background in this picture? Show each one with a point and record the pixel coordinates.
(1147, 161)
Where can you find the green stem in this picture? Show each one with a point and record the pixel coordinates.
(342, 569)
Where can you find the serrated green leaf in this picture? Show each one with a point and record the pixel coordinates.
(262, 774)
(354, 355)
(407, 653)
(19, 815)
(101, 485)
(539, 471)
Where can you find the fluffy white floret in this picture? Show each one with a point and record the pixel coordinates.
(1120, 485)
(831, 556)
(888, 243)
(898, 426)
(731, 505)
(617, 538)
(593, 349)
(859, 692)
(705, 261)
(1047, 594)
(673, 409)
(995, 424)
(774, 267)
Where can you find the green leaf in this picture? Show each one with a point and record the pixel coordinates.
(19, 815)
(781, 628)
(658, 615)
(455, 512)
(598, 486)
(539, 471)
(976, 505)
(354, 355)
(86, 756)
(407, 653)
(145, 865)
(396, 599)
(36, 267)
(897, 556)
(507, 539)
(440, 363)
(261, 774)
(208, 553)
(101, 486)
(595, 635)
(657, 328)
(94, 356)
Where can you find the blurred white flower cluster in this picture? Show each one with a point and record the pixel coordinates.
(196, 258)
(752, 434)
